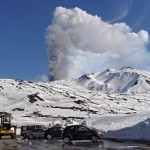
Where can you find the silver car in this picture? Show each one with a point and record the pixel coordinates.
(35, 133)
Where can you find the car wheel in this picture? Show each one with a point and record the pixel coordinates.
(31, 136)
(13, 136)
(49, 136)
(67, 139)
(25, 137)
(94, 138)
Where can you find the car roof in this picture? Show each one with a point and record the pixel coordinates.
(32, 125)
(38, 129)
(56, 127)
(76, 126)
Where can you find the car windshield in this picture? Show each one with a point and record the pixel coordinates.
(92, 128)
(6, 119)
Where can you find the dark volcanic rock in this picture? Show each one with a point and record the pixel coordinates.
(34, 97)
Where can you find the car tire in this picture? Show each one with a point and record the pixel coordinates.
(94, 138)
(25, 137)
(31, 136)
(67, 139)
(13, 136)
(49, 136)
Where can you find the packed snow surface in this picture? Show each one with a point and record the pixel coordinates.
(115, 101)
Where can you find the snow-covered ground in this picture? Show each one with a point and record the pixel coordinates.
(114, 101)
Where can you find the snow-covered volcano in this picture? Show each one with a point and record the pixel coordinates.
(122, 91)
(123, 80)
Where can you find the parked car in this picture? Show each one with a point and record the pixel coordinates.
(27, 128)
(53, 132)
(80, 132)
(35, 133)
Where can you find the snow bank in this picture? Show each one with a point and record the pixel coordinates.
(140, 131)
(124, 127)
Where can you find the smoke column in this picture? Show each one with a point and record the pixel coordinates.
(80, 43)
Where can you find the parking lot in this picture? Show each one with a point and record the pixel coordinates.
(85, 145)
(38, 144)
(6, 143)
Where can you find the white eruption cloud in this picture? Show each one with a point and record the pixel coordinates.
(80, 43)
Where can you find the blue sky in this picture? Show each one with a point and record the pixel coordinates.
(23, 23)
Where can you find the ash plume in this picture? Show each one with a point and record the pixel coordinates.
(80, 43)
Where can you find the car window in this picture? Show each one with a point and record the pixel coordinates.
(60, 129)
(35, 130)
(54, 129)
(41, 130)
(38, 126)
(71, 128)
(81, 129)
(23, 128)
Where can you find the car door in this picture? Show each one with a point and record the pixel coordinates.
(54, 131)
(59, 132)
(34, 132)
(71, 132)
(83, 133)
(40, 133)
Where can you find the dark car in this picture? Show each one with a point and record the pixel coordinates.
(27, 128)
(80, 132)
(53, 132)
(35, 133)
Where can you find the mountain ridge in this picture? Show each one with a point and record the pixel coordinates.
(117, 80)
